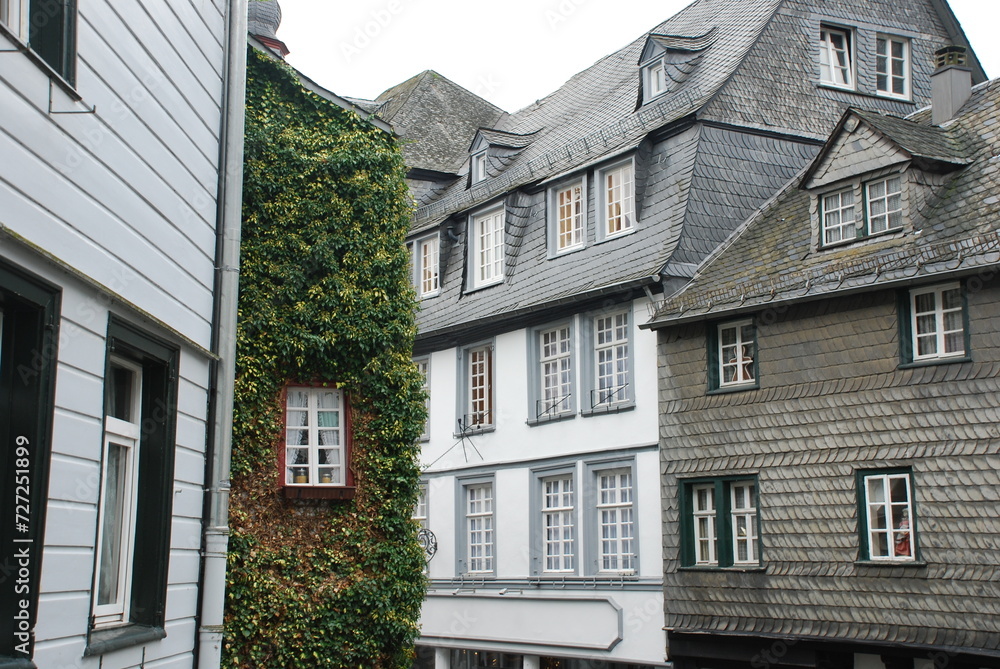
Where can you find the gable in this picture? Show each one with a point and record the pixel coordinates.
(854, 152)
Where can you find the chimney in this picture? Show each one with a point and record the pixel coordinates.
(951, 83)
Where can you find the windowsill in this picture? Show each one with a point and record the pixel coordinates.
(854, 91)
(613, 408)
(618, 235)
(892, 564)
(739, 570)
(115, 638)
(473, 289)
(319, 492)
(551, 418)
(474, 430)
(427, 296)
(906, 99)
(565, 252)
(893, 232)
(933, 362)
(735, 388)
(54, 76)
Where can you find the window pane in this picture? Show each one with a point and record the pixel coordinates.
(615, 519)
(113, 523)
(121, 389)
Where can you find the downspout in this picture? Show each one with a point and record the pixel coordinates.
(215, 519)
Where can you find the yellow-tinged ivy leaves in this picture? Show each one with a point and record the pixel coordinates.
(324, 297)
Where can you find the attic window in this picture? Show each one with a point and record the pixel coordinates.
(479, 167)
(880, 211)
(655, 80)
(668, 60)
(836, 57)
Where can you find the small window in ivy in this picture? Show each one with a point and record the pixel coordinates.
(316, 438)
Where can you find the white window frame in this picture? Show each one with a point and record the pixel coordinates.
(901, 513)
(554, 371)
(834, 218)
(574, 237)
(332, 474)
(624, 202)
(743, 522)
(558, 524)
(478, 509)
(612, 387)
(14, 14)
(834, 70)
(706, 536)
(425, 264)
(744, 366)
(884, 62)
(420, 508)
(478, 166)
(893, 199)
(126, 435)
(939, 314)
(424, 367)
(477, 367)
(655, 79)
(487, 249)
(616, 549)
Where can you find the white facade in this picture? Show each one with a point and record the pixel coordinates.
(520, 603)
(109, 202)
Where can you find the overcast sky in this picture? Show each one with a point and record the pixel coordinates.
(511, 52)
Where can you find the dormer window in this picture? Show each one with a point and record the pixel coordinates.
(479, 167)
(668, 60)
(836, 57)
(838, 216)
(882, 210)
(655, 80)
(885, 204)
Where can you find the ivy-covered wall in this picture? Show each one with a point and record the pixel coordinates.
(324, 297)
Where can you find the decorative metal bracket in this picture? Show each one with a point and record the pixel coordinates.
(428, 542)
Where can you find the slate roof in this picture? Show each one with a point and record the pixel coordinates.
(594, 113)
(707, 154)
(510, 140)
(436, 118)
(771, 259)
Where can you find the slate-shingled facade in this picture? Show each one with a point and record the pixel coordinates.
(848, 394)
(542, 451)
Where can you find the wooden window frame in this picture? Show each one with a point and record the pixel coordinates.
(318, 490)
(722, 520)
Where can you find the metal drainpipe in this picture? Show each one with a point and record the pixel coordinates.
(215, 520)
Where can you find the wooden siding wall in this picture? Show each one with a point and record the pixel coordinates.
(126, 194)
(127, 197)
(833, 400)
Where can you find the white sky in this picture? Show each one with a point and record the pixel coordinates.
(511, 53)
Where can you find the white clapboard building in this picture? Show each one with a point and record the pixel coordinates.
(120, 176)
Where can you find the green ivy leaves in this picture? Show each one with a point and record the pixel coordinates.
(324, 296)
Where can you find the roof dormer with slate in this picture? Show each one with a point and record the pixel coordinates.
(668, 60)
(493, 150)
(873, 174)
